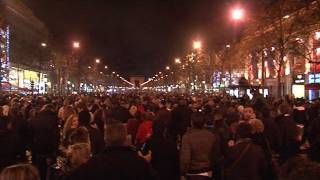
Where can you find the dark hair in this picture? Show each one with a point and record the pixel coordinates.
(84, 118)
(285, 108)
(198, 120)
(79, 135)
(116, 134)
(244, 130)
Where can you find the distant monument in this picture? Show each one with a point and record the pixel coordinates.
(137, 80)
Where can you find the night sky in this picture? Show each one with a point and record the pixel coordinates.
(136, 36)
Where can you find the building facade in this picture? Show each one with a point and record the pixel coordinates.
(25, 57)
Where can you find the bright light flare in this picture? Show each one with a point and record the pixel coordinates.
(177, 61)
(76, 44)
(43, 44)
(237, 14)
(197, 45)
(168, 68)
(97, 61)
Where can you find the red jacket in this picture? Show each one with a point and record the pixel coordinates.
(144, 132)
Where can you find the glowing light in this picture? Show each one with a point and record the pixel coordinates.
(177, 61)
(228, 46)
(168, 68)
(317, 35)
(43, 44)
(97, 61)
(106, 67)
(286, 16)
(197, 45)
(237, 14)
(76, 44)
(89, 67)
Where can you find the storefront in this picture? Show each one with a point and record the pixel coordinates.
(298, 86)
(29, 80)
(313, 86)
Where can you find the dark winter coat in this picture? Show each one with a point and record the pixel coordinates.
(165, 157)
(289, 144)
(251, 165)
(115, 163)
(45, 133)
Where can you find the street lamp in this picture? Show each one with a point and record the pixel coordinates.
(76, 44)
(43, 44)
(97, 61)
(177, 61)
(197, 45)
(89, 67)
(168, 68)
(106, 67)
(237, 14)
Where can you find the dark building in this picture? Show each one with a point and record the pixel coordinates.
(23, 45)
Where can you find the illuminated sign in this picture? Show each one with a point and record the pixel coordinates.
(314, 78)
(299, 79)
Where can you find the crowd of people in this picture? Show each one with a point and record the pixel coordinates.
(160, 136)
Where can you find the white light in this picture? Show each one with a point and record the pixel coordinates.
(106, 67)
(286, 16)
(76, 44)
(177, 61)
(228, 46)
(318, 51)
(97, 61)
(89, 67)
(43, 44)
(196, 45)
(317, 36)
(237, 14)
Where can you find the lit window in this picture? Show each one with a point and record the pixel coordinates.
(317, 35)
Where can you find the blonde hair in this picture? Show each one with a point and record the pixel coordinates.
(67, 125)
(257, 125)
(79, 154)
(20, 172)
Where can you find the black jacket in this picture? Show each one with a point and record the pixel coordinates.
(96, 140)
(252, 165)
(165, 157)
(115, 163)
(45, 133)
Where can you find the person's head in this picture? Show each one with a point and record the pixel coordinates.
(20, 172)
(84, 118)
(116, 134)
(248, 114)
(198, 120)
(79, 135)
(257, 126)
(68, 110)
(66, 102)
(285, 108)
(244, 130)
(81, 106)
(79, 154)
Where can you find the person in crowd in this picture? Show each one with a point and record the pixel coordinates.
(45, 139)
(71, 124)
(314, 139)
(9, 143)
(300, 168)
(118, 161)
(164, 153)
(61, 114)
(245, 160)
(67, 112)
(96, 137)
(289, 134)
(20, 172)
(199, 150)
(145, 129)
(133, 125)
(180, 119)
(271, 131)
